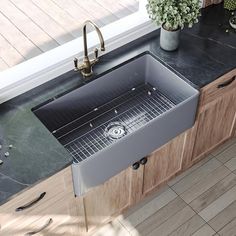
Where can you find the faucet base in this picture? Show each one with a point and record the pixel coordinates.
(86, 74)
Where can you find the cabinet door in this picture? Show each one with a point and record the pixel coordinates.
(108, 200)
(215, 124)
(163, 164)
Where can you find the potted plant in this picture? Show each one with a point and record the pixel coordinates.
(173, 15)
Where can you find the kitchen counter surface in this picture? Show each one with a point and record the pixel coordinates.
(206, 52)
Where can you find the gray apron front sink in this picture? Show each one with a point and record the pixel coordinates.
(119, 118)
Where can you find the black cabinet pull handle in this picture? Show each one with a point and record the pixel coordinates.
(30, 204)
(143, 161)
(135, 166)
(40, 229)
(226, 83)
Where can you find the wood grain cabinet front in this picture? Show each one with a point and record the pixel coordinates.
(117, 194)
(48, 208)
(163, 164)
(216, 117)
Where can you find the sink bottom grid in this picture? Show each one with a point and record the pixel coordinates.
(125, 114)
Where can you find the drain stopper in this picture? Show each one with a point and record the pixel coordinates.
(115, 130)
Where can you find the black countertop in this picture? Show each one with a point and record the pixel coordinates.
(206, 52)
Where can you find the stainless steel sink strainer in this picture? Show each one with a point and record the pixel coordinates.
(115, 130)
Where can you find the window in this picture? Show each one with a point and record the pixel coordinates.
(57, 61)
(30, 27)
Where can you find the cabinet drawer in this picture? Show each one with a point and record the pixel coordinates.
(58, 219)
(218, 88)
(37, 198)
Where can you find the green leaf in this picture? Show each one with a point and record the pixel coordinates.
(174, 14)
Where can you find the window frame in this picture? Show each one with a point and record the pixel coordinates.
(51, 64)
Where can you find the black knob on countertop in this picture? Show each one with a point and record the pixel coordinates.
(135, 166)
(143, 161)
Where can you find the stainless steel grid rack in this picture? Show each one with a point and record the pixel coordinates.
(144, 104)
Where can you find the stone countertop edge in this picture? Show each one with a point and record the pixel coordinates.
(206, 52)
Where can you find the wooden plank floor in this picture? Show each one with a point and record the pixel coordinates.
(199, 202)
(31, 27)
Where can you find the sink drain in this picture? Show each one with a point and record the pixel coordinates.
(115, 130)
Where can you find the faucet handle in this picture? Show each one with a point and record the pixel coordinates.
(76, 64)
(96, 53)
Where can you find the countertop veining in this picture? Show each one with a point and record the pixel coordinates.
(206, 52)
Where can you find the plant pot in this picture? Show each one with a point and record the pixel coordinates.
(169, 40)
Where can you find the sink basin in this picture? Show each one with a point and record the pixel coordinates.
(117, 119)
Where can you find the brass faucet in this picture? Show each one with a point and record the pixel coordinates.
(86, 67)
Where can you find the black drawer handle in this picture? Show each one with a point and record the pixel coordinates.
(135, 166)
(40, 229)
(226, 83)
(30, 204)
(143, 161)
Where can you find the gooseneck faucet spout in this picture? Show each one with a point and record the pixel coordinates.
(86, 67)
(102, 47)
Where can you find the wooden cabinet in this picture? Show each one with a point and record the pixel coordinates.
(108, 200)
(215, 125)
(163, 164)
(216, 117)
(49, 206)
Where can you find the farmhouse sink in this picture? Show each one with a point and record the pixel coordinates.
(119, 118)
